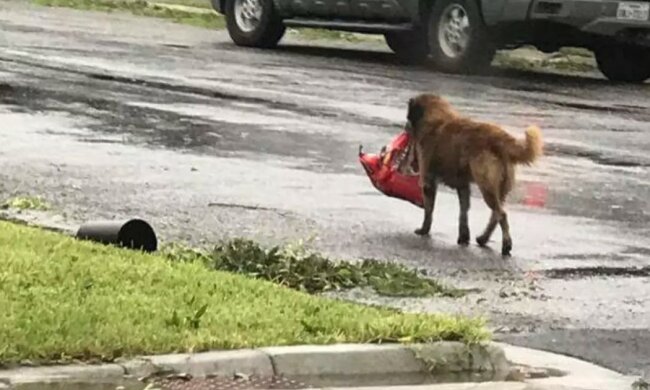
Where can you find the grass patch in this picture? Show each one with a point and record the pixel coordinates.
(142, 8)
(26, 203)
(505, 60)
(62, 300)
(570, 63)
(317, 34)
(188, 3)
(210, 20)
(576, 51)
(296, 267)
(565, 60)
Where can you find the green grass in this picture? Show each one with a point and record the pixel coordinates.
(142, 8)
(63, 300)
(188, 3)
(26, 203)
(566, 60)
(316, 34)
(576, 51)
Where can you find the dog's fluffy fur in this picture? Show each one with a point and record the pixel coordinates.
(456, 151)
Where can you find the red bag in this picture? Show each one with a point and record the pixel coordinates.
(384, 172)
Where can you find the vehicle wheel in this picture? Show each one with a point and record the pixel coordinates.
(458, 38)
(253, 23)
(624, 63)
(411, 47)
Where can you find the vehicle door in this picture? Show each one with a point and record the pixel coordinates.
(316, 9)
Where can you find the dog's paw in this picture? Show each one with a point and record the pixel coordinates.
(463, 240)
(463, 236)
(481, 240)
(422, 232)
(506, 248)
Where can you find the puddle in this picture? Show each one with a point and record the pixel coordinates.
(220, 130)
(588, 272)
(224, 114)
(599, 157)
(176, 46)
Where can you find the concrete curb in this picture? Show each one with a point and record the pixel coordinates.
(294, 361)
(344, 360)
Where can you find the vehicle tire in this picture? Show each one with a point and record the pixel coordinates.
(410, 47)
(627, 64)
(253, 23)
(458, 38)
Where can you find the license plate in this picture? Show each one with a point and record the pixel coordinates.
(633, 11)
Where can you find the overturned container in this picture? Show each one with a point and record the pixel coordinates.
(133, 234)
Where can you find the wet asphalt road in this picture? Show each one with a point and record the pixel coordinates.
(110, 116)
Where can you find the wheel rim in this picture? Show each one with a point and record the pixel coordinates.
(248, 14)
(453, 31)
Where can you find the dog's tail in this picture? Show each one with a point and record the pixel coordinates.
(525, 151)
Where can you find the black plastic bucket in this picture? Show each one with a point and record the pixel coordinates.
(133, 234)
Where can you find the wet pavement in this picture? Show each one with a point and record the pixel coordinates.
(108, 115)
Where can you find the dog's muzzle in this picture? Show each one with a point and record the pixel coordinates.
(408, 127)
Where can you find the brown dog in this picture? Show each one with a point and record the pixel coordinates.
(457, 151)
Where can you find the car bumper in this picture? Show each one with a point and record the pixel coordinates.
(592, 16)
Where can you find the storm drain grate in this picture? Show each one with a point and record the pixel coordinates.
(224, 383)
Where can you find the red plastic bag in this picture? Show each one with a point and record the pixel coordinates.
(384, 171)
